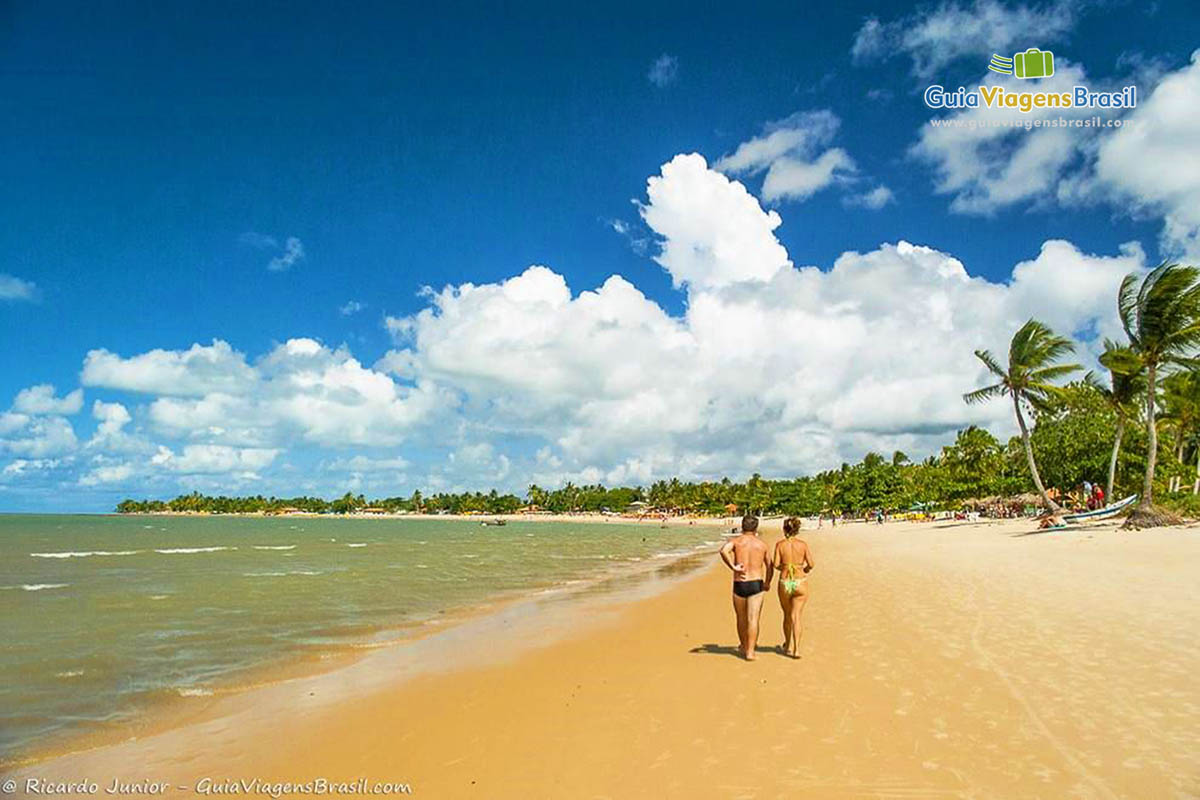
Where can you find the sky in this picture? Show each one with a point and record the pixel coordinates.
(311, 248)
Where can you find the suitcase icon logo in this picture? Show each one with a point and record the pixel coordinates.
(1033, 63)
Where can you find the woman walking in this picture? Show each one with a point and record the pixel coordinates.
(794, 561)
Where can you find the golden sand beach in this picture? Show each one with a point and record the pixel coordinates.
(939, 660)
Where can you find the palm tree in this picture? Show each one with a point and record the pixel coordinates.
(1161, 317)
(1181, 406)
(1126, 382)
(1032, 357)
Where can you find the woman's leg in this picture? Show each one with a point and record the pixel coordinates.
(785, 602)
(797, 608)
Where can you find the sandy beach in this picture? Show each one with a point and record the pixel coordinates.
(939, 660)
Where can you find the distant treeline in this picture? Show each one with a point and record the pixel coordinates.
(1072, 440)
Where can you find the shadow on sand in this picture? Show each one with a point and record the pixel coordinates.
(732, 650)
(718, 650)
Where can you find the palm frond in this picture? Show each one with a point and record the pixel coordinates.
(986, 393)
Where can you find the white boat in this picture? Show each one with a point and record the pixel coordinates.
(1101, 513)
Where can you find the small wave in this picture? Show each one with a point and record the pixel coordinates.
(71, 673)
(193, 549)
(194, 691)
(37, 587)
(280, 574)
(422, 566)
(86, 553)
(357, 544)
(159, 596)
(274, 547)
(470, 555)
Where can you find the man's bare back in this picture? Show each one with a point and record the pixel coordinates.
(749, 552)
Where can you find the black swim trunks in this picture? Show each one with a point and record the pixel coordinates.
(747, 588)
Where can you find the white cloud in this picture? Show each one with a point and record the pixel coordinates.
(351, 307)
(199, 370)
(299, 391)
(664, 71)
(293, 251)
(37, 437)
(937, 36)
(1153, 161)
(287, 254)
(789, 152)
(1148, 165)
(714, 232)
(773, 368)
(14, 288)
(107, 473)
(41, 399)
(874, 199)
(986, 167)
(214, 459)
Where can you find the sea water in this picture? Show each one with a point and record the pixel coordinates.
(103, 615)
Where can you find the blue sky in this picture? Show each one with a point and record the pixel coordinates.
(159, 158)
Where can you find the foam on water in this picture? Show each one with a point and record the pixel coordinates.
(87, 553)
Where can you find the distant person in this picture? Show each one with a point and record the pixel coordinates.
(1099, 492)
(747, 556)
(793, 560)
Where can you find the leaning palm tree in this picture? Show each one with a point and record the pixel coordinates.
(1032, 367)
(1126, 382)
(1161, 316)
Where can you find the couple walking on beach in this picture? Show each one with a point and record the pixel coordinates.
(753, 567)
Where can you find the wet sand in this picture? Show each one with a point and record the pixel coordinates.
(939, 660)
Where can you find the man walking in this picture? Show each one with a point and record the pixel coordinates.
(747, 556)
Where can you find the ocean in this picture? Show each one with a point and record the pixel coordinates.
(103, 616)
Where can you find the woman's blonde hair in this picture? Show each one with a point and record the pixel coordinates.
(791, 526)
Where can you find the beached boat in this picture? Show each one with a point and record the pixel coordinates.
(497, 523)
(1101, 513)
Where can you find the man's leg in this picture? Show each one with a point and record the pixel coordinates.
(753, 612)
(739, 611)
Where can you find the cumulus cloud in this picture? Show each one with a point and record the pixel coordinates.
(1153, 161)
(300, 390)
(938, 35)
(663, 71)
(790, 153)
(199, 370)
(713, 232)
(14, 288)
(214, 459)
(1148, 165)
(986, 167)
(41, 399)
(773, 368)
(107, 473)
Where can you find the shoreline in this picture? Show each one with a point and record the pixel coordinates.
(178, 709)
